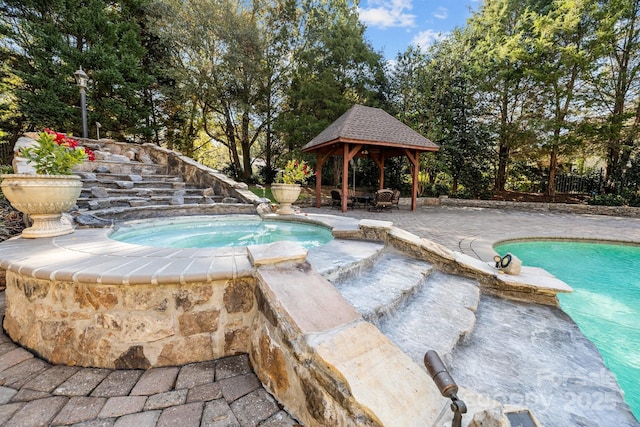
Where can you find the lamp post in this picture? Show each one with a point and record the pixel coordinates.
(81, 80)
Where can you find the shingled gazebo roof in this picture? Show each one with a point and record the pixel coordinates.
(368, 132)
(370, 126)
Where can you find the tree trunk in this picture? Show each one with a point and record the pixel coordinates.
(503, 160)
(231, 138)
(503, 149)
(268, 142)
(246, 148)
(553, 165)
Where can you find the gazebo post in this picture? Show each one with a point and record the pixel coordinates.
(345, 174)
(321, 160)
(318, 184)
(414, 157)
(381, 174)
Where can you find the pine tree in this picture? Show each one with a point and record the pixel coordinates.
(48, 41)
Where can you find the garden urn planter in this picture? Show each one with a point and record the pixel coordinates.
(285, 195)
(44, 198)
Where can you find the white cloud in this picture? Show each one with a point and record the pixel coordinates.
(387, 13)
(426, 38)
(441, 13)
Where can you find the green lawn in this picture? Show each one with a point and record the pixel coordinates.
(259, 192)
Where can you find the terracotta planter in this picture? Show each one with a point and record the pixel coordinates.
(44, 198)
(285, 195)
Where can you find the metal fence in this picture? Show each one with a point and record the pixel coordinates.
(579, 184)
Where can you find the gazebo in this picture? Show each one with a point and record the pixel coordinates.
(368, 132)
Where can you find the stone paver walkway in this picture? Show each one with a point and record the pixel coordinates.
(226, 392)
(220, 393)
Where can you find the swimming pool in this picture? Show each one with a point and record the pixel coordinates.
(606, 299)
(219, 231)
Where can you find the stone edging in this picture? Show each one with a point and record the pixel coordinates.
(626, 211)
(531, 285)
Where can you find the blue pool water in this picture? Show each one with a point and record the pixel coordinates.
(219, 231)
(606, 299)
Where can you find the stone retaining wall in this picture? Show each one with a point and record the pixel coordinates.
(196, 174)
(130, 326)
(626, 211)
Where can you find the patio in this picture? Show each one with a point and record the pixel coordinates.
(474, 230)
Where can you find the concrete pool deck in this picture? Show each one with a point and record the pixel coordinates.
(471, 231)
(474, 231)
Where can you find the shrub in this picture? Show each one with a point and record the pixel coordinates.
(436, 190)
(267, 174)
(607, 200)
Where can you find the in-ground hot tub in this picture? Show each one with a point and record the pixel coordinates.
(86, 299)
(220, 231)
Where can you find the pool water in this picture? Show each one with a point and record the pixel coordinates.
(605, 303)
(219, 231)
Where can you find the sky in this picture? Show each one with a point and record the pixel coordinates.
(392, 25)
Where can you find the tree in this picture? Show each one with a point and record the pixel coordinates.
(230, 58)
(48, 41)
(334, 68)
(614, 83)
(407, 82)
(455, 114)
(499, 60)
(281, 38)
(560, 40)
(11, 121)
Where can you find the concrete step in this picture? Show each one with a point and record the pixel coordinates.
(98, 192)
(91, 176)
(378, 289)
(437, 316)
(127, 184)
(110, 202)
(121, 167)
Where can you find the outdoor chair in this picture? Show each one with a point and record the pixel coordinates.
(395, 201)
(382, 200)
(336, 200)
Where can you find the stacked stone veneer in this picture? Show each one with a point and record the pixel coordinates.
(627, 211)
(138, 326)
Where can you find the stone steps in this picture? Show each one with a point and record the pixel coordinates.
(378, 289)
(107, 176)
(104, 216)
(114, 183)
(130, 183)
(437, 316)
(143, 191)
(418, 308)
(117, 184)
(110, 202)
(121, 167)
